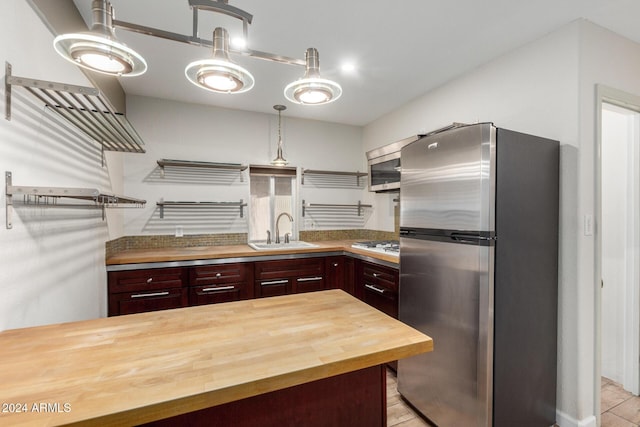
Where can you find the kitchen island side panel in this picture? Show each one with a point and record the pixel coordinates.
(526, 285)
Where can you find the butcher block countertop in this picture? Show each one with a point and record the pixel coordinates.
(138, 368)
(135, 256)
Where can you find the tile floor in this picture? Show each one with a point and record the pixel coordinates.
(619, 407)
(399, 414)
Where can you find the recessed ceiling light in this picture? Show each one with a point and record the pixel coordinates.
(348, 67)
(239, 42)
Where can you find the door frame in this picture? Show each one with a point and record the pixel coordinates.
(631, 370)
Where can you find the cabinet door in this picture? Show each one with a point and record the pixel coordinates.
(220, 283)
(335, 271)
(142, 301)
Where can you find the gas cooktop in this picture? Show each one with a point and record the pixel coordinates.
(390, 247)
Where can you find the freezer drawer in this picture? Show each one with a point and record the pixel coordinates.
(446, 290)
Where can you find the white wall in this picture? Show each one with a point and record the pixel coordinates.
(173, 130)
(52, 260)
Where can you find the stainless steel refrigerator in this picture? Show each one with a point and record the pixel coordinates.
(478, 273)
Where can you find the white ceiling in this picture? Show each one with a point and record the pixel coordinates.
(401, 49)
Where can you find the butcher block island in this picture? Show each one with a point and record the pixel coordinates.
(312, 359)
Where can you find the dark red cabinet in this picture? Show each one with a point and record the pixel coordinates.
(379, 287)
(137, 291)
(290, 276)
(210, 284)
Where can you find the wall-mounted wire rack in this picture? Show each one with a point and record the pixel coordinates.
(220, 167)
(84, 107)
(329, 206)
(204, 205)
(333, 179)
(50, 196)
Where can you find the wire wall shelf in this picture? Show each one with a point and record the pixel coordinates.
(51, 196)
(211, 170)
(84, 107)
(163, 205)
(333, 179)
(335, 216)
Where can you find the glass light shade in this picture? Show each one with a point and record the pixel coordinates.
(101, 54)
(312, 91)
(219, 76)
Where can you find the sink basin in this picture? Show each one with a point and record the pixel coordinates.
(296, 244)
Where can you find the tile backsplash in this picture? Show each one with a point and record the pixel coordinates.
(170, 241)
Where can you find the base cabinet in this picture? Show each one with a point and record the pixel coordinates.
(354, 399)
(138, 291)
(291, 276)
(212, 284)
(379, 287)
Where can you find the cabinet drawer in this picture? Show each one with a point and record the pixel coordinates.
(266, 270)
(271, 288)
(145, 280)
(148, 300)
(378, 275)
(216, 274)
(384, 299)
(215, 293)
(308, 284)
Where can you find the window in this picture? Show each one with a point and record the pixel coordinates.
(272, 193)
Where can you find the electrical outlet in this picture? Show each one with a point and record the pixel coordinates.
(179, 231)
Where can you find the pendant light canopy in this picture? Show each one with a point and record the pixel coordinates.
(219, 74)
(312, 89)
(279, 160)
(99, 49)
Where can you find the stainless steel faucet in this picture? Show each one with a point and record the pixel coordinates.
(278, 228)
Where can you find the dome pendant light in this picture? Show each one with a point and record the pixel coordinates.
(279, 160)
(312, 89)
(219, 74)
(99, 49)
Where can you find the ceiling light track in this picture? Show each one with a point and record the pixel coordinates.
(197, 41)
(100, 50)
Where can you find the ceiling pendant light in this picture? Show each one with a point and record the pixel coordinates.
(219, 74)
(312, 89)
(279, 160)
(99, 49)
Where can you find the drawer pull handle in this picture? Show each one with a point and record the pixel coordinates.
(150, 279)
(374, 288)
(376, 274)
(218, 275)
(309, 279)
(335, 264)
(274, 282)
(220, 288)
(151, 294)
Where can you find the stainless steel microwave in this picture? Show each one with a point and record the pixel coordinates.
(384, 165)
(384, 162)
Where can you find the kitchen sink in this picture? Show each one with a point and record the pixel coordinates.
(296, 244)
